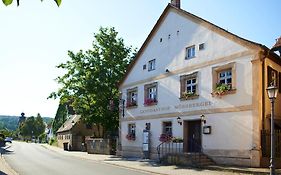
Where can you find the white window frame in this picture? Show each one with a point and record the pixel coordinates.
(151, 65)
(226, 75)
(190, 52)
(133, 96)
(191, 85)
(152, 92)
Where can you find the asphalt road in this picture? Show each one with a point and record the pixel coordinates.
(33, 159)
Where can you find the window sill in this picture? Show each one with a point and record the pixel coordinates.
(232, 91)
(189, 58)
(189, 98)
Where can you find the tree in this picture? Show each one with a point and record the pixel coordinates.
(9, 2)
(92, 77)
(32, 127)
(39, 126)
(60, 117)
(28, 127)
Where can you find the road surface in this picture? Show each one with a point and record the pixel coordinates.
(33, 159)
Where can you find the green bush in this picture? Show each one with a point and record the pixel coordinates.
(53, 141)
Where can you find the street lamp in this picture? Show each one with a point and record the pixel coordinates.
(203, 119)
(272, 94)
(179, 120)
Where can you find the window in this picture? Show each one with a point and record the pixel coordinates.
(271, 76)
(151, 65)
(131, 131)
(132, 97)
(189, 86)
(224, 79)
(202, 46)
(144, 67)
(190, 52)
(167, 128)
(150, 94)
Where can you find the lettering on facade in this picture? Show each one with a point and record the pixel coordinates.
(180, 106)
(155, 109)
(193, 105)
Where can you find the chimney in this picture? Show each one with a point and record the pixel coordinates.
(176, 3)
(277, 46)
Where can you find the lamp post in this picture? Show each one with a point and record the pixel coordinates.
(272, 94)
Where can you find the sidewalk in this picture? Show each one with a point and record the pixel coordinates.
(4, 167)
(153, 167)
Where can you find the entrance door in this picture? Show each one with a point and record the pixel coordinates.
(193, 136)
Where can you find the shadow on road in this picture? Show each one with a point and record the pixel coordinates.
(1, 173)
(4, 150)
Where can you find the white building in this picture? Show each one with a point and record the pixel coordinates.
(173, 82)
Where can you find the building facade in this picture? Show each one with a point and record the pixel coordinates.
(71, 135)
(196, 82)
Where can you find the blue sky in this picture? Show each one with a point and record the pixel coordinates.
(36, 36)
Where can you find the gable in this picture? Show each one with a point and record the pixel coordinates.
(174, 32)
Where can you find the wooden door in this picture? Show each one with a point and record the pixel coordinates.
(193, 136)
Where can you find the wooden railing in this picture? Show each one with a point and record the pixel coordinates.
(265, 143)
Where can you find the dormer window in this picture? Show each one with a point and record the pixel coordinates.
(151, 65)
(190, 52)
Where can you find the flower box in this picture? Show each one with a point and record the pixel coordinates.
(131, 103)
(131, 137)
(150, 101)
(165, 138)
(222, 89)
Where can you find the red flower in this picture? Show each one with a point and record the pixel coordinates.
(131, 103)
(165, 138)
(150, 101)
(131, 136)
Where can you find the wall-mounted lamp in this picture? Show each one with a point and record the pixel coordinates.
(167, 70)
(179, 120)
(203, 119)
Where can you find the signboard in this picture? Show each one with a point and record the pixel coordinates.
(145, 137)
(145, 147)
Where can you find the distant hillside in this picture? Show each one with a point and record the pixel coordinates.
(11, 122)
